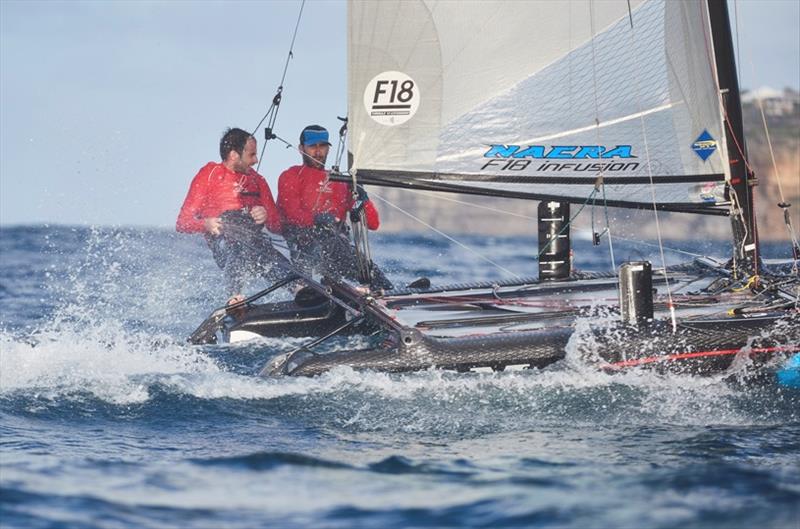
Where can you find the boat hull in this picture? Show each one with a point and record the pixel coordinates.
(288, 318)
(702, 348)
(703, 322)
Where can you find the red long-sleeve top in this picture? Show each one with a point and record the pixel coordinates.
(304, 192)
(216, 189)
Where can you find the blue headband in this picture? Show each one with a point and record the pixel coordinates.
(315, 137)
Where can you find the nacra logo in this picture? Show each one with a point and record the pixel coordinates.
(519, 158)
(571, 152)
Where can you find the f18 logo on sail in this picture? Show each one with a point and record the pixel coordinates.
(391, 98)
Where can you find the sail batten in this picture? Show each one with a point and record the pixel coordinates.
(538, 94)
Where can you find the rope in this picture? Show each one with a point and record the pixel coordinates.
(599, 182)
(771, 151)
(360, 235)
(272, 111)
(565, 227)
(361, 245)
(738, 207)
(608, 231)
(291, 46)
(670, 301)
(568, 223)
(735, 209)
(442, 196)
(357, 222)
(738, 149)
(787, 218)
(784, 205)
(738, 48)
(340, 146)
(449, 238)
(290, 145)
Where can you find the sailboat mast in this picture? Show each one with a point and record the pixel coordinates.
(742, 181)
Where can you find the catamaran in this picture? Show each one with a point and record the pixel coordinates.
(575, 104)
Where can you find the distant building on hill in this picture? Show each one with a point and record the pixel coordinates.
(775, 103)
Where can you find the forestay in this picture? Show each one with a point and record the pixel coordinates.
(538, 98)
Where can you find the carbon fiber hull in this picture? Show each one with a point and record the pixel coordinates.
(701, 348)
(283, 319)
(702, 322)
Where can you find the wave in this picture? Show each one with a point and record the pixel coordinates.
(109, 366)
(114, 337)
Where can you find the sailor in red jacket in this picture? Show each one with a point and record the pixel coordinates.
(314, 212)
(231, 203)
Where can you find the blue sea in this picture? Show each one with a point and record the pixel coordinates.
(108, 419)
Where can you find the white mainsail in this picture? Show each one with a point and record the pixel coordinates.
(538, 97)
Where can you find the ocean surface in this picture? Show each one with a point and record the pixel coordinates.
(108, 419)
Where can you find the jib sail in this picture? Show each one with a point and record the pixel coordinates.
(538, 99)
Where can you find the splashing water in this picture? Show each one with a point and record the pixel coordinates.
(107, 414)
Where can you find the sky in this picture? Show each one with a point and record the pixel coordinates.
(109, 108)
